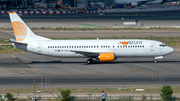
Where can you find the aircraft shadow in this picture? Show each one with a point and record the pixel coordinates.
(97, 62)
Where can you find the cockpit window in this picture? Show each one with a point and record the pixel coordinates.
(162, 45)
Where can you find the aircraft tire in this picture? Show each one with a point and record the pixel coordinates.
(89, 61)
(155, 61)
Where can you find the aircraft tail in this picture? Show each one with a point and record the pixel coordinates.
(21, 31)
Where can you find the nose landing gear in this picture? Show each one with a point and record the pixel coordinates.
(156, 58)
(155, 61)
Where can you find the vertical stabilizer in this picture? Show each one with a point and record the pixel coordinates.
(21, 31)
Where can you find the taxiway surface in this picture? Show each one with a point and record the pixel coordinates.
(15, 67)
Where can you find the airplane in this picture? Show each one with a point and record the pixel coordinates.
(100, 49)
(139, 2)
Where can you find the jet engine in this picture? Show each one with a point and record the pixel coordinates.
(106, 57)
(134, 3)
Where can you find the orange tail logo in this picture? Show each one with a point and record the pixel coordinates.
(20, 30)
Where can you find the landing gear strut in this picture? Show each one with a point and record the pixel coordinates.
(156, 58)
(89, 61)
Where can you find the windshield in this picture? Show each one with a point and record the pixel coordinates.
(162, 45)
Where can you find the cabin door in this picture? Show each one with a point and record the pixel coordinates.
(152, 46)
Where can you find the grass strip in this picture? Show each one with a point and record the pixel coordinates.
(95, 28)
(90, 91)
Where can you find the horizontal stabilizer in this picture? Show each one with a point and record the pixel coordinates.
(14, 41)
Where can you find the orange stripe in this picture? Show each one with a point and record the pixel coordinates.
(12, 12)
(20, 39)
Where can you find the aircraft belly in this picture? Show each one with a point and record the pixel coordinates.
(137, 53)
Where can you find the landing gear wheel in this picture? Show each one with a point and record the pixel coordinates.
(155, 61)
(89, 61)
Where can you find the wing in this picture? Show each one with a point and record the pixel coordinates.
(93, 54)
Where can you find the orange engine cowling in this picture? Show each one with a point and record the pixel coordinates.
(106, 57)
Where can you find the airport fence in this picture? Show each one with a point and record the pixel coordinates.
(116, 98)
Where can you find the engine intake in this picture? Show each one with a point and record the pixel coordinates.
(106, 57)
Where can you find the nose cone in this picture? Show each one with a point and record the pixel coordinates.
(171, 50)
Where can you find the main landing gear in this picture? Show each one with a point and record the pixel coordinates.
(89, 61)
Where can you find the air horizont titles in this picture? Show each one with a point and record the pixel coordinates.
(131, 42)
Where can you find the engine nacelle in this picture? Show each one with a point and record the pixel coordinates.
(106, 57)
(134, 3)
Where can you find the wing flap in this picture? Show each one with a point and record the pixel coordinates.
(86, 53)
(93, 54)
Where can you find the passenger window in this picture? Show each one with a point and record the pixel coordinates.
(113, 46)
(91, 46)
(79, 46)
(94, 46)
(72, 46)
(53, 46)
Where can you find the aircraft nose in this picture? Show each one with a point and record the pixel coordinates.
(171, 50)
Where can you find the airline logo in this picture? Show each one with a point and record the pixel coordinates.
(125, 43)
(20, 30)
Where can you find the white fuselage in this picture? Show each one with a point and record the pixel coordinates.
(126, 2)
(70, 48)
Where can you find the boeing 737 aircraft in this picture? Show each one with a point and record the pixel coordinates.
(139, 2)
(102, 50)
